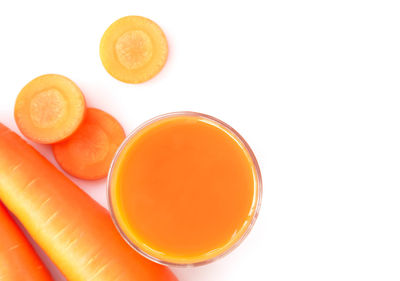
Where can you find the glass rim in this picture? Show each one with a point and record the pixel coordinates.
(258, 185)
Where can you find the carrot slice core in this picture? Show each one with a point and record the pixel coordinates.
(47, 108)
(134, 49)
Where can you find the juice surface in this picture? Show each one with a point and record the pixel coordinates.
(183, 189)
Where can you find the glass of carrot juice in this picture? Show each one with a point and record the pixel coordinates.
(184, 189)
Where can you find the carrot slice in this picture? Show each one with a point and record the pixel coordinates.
(18, 260)
(49, 109)
(88, 153)
(133, 49)
(75, 231)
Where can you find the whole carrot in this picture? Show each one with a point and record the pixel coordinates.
(18, 260)
(75, 231)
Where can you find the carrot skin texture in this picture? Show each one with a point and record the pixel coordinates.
(18, 260)
(74, 230)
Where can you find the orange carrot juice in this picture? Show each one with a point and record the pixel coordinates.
(184, 188)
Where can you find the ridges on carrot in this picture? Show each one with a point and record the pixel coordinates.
(18, 260)
(74, 230)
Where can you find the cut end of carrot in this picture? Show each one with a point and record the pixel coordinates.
(49, 109)
(133, 49)
(88, 153)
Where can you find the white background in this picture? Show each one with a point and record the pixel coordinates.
(314, 87)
